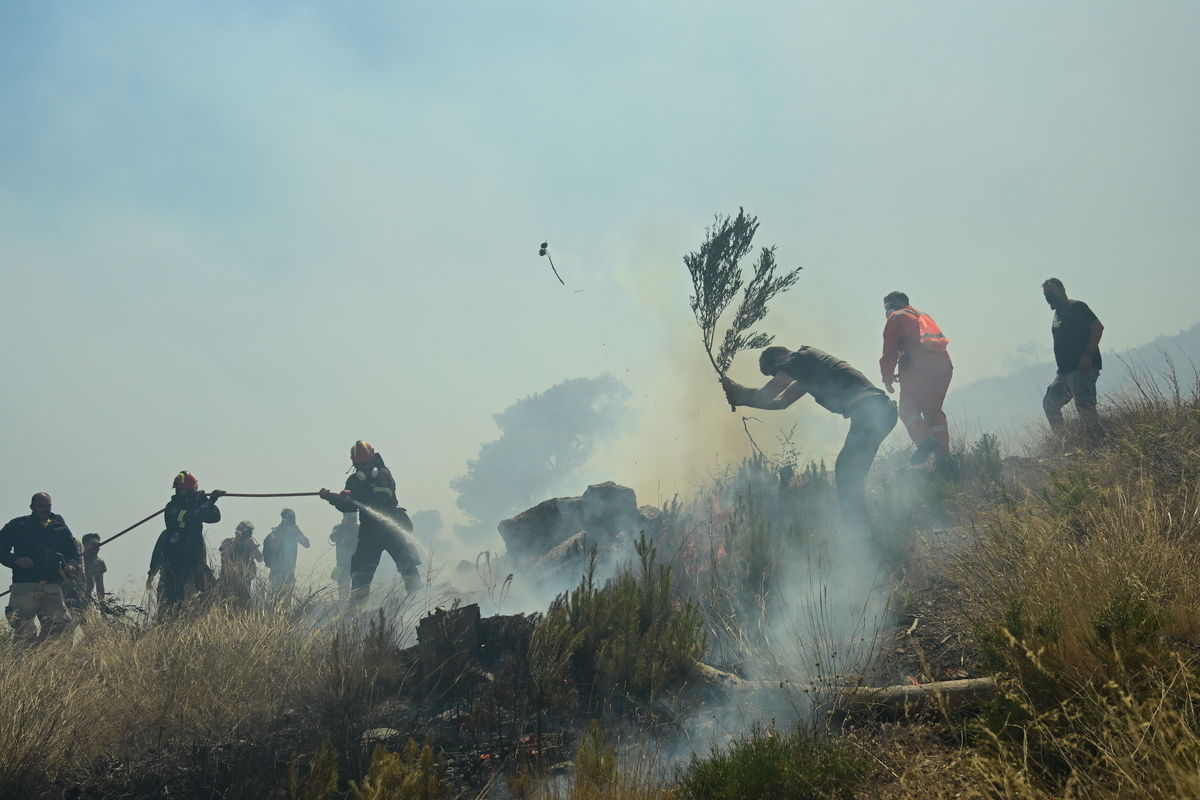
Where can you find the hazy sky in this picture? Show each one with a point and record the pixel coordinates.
(235, 237)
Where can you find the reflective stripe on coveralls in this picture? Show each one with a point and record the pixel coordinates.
(931, 336)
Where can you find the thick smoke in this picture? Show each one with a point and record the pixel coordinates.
(545, 439)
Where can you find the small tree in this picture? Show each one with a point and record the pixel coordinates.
(717, 278)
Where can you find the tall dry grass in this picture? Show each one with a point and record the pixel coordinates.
(1080, 583)
(210, 704)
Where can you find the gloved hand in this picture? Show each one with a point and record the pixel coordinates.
(215, 495)
(324, 494)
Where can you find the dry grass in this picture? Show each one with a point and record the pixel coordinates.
(1081, 586)
(212, 703)
(1076, 570)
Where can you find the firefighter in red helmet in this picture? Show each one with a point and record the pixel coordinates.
(180, 558)
(371, 492)
(914, 352)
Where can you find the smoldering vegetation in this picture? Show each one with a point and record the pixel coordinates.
(706, 659)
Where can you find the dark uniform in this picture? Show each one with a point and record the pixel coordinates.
(37, 589)
(179, 552)
(380, 522)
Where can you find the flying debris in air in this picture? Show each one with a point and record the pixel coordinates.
(542, 251)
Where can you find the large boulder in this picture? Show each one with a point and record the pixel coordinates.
(604, 511)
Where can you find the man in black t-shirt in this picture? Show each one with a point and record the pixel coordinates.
(1076, 332)
(837, 387)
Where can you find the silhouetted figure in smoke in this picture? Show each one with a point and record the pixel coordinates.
(371, 491)
(1076, 332)
(344, 538)
(240, 555)
(74, 595)
(914, 352)
(41, 552)
(280, 549)
(94, 567)
(838, 387)
(179, 557)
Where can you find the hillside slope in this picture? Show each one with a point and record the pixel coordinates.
(1007, 403)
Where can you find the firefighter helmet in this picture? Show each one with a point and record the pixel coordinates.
(362, 453)
(186, 481)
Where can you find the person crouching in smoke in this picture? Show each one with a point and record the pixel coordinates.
(371, 491)
(344, 538)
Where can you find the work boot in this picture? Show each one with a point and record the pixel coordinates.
(924, 449)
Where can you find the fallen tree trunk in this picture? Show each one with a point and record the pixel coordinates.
(915, 698)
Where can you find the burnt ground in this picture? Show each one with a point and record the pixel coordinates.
(930, 641)
(922, 756)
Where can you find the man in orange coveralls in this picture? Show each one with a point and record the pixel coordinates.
(913, 343)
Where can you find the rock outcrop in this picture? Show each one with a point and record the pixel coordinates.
(603, 512)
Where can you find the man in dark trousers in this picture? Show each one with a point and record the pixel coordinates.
(371, 491)
(180, 557)
(837, 387)
(41, 552)
(1076, 332)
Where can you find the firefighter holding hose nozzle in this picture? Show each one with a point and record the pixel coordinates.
(371, 492)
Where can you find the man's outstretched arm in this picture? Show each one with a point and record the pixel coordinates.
(779, 393)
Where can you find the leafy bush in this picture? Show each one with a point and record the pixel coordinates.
(416, 774)
(633, 636)
(767, 763)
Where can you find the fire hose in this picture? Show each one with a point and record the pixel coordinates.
(119, 534)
